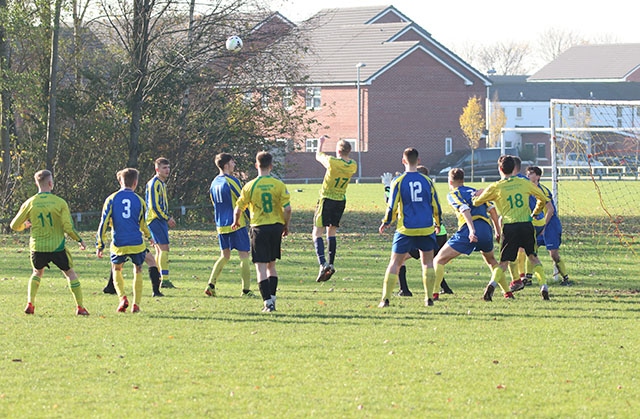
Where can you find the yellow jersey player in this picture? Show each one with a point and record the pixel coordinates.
(267, 199)
(332, 203)
(49, 218)
(511, 197)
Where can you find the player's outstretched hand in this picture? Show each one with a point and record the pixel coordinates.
(386, 178)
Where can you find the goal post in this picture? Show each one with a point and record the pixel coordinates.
(598, 141)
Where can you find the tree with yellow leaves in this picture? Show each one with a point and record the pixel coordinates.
(497, 121)
(472, 124)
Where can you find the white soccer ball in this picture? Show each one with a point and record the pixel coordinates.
(234, 43)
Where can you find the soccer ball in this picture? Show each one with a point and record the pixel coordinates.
(234, 43)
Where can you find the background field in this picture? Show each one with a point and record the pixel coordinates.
(328, 350)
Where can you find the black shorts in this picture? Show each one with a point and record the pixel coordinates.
(266, 241)
(515, 236)
(328, 213)
(62, 259)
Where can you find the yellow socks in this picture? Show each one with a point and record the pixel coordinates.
(76, 290)
(245, 273)
(217, 268)
(118, 283)
(32, 289)
(538, 272)
(387, 286)
(163, 264)
(137, 287)
(439, 271)
(498, 276)
(429, 281)
(562, 269)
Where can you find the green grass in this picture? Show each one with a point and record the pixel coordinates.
(328, 351)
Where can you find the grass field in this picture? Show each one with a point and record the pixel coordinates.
(329, 351)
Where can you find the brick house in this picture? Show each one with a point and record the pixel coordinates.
(413, 90)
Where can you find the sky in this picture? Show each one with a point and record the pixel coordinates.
(455, 23)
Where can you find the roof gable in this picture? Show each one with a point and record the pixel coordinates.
(341, 38)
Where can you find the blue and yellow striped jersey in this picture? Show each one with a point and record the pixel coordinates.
(266, 197)
(337, 177)
(414, 204)
(511, 197)
(155, 195)
(460, 200)
(123, 211)
(50, 219)
(224, 193)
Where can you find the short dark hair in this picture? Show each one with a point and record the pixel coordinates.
(411, 155)
(456, 174)
(518, 162)
(264, 159)
(423, 169)
(222, 159)
(507, 164)
(534, 169)
(128, 176)
(161, 161)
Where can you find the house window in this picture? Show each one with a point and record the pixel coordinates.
(448, 146)
(619, 113)
(264, 100)
(287, 98)
(572, 111)
(311, 145)
(312, 98)
(541, 152)
(518, 112)
(529, 149)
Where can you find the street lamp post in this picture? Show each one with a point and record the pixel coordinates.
(358, 67)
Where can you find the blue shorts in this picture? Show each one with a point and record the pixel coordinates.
(460, 240)
(159, 231)
(136, 258)
(238, 240)
(404, 244)
(552, 236)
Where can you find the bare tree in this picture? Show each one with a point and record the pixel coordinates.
(53, 85)
(554, 42)
(6, 120)
(162, 37)
(506, 58)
